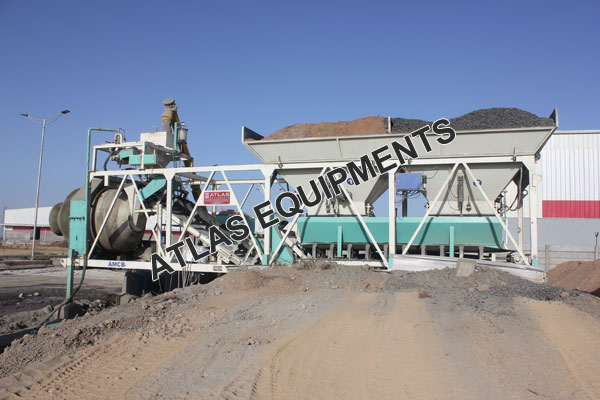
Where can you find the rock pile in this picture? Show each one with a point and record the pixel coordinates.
(490, 118)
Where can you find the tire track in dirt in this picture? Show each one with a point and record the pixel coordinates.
(224, 358)
(362, 350)
(577, 337)
(107, 370)
(110, 369)
(503, 355)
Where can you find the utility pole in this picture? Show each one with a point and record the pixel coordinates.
(43, 121)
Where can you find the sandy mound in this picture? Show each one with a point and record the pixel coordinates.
(251, 280)
(322, 331)
(361, 126)
(580, 275)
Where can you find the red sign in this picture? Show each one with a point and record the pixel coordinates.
(217, 197)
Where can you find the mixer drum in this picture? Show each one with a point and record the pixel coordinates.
(123, 230)
(53, 219)
(59, 215)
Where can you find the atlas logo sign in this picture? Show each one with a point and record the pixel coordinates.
(217, 197)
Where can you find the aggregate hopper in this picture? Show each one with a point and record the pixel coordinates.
(496, 157)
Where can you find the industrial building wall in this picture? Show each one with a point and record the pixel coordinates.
(14, 235)
(24, 235)
(560, 231)
(570, 184)
(571, 175)
(48, 237)
(25, 216)
(561, 239)
(18, 226)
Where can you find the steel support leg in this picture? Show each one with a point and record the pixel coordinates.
(533, 235)
(392, 217)
(267, 244)
(70, 276)
(169, 228)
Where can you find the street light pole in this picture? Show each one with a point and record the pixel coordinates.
(37, 189)
(43, 121)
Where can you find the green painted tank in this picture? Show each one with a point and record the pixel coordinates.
(472, 231)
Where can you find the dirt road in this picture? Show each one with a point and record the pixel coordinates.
(313, 333)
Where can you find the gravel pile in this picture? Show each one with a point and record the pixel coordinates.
(489, 118)
(482, 280)
(487, 290)
(499, 118)
(403, 125)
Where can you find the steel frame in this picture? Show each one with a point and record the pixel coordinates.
(265, 180)
(528, 161)
(191, 173)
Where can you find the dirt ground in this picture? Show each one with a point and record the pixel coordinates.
(28, 294)
(13, 250)
(323, 332)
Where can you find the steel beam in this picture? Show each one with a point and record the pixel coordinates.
(435, 200)
(392, 217)
(510, 236)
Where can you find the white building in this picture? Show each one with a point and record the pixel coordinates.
(569, 204)
(18, 226)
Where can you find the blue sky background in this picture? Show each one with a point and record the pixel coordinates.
(271, 64)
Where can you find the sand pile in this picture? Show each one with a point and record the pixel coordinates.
(490, 118)
(361, 126)
(580, 275)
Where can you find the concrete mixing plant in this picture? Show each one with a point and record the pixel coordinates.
(147, 194)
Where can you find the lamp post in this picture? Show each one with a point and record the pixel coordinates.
(42, 121)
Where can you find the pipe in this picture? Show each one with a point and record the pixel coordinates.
(72, 293)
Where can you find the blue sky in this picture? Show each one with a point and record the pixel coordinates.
(271, 64)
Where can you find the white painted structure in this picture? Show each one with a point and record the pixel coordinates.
(24, 216)
(571, 184)
(18, 226)
(569, 167)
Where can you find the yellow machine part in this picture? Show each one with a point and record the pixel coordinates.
(173, 117)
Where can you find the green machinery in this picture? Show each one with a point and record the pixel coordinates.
(465, 185)
(156, 196)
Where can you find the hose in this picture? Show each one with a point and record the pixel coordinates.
(112, 153)
(521, 194)
(64, 302)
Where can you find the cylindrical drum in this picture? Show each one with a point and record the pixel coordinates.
(123, 230)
